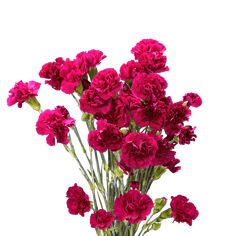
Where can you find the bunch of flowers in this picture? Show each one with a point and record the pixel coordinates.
(133, 129)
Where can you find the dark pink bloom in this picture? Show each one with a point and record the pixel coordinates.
(149, 53)
(51, 72)
(133, 206)
(186, 135)
(165, 156)
(177, 114)
(149, 87)
(107, 83)
(23, 92)
(91, 102)
(54, 124)
(78, 201)
(120, 113)
(101, 219)
(130, 70)
(138, 150)
(193, 99)
(94, 58)
(152, 114)
(72, 72)
(135, 185)
(182, 210)
(107, 136)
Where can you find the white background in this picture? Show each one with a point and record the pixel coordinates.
(200, 40)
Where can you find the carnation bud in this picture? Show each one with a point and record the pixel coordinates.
(159, 204)
(156, 225)
(159, 172)
(34, 103)
(164, 215)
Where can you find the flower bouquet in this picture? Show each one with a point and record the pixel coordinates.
(133, 129)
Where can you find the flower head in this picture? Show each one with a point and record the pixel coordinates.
(133, 206)
(101, 219)
(78, 201)
(54, 124)
(182, 210)
(23, 92)
(138, 150)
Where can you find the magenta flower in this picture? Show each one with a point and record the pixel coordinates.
(133, 206)
(193, 99)
(23, 92)
(54, 124)
(182, 210)
(78, 201)
(101, 219)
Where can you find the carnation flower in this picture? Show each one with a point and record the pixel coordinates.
(130, 70)
(186, 135)
(149, 87)
(193, 99)
(177, 114)
(138, 150)
(51, 72)
(72, 72)
(94, 58)
(107, 83)
(101, 219)
(54, 124)
(151, 114)
(107, 136)
(23, 92)
(91, 102)
(133, 206)
(149, 53)
(182, 210)
(78, 201)
(165, 156)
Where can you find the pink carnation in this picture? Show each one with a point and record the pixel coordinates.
(130, 70)
(23, 92)
(91, 102)
(133, 206)
(182, 210)
(177, 114)
(149, 87)
(51, 72)
(186, 135)
(138, 150)
(72, 73)
(54, 124)
(107, 136)
(101, 219)
(149, 53)
(165, 156)
(107, 83)
(193, 99)
(94, 58)
(78, 201)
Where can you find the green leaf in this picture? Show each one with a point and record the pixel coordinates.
(159, 204)
(156, 225)
(159, 171)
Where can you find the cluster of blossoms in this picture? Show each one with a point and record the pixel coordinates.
(137, 125)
